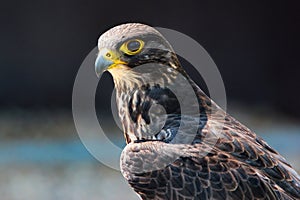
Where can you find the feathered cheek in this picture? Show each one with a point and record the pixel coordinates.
(124, 76)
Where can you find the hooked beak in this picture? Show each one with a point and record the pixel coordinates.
(107, 60)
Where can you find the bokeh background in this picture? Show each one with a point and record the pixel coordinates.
(255, 44)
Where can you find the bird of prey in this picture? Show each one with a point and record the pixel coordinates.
(164, 164)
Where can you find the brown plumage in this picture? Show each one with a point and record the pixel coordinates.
(162, 162)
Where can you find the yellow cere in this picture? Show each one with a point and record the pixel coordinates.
(109, 55)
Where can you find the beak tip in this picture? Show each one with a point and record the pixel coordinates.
(101, 65)
(98, 67)
(98, 74)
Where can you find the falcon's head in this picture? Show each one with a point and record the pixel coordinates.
(127, 46)
(143, 65)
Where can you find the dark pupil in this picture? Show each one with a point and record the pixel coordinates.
(133, 46)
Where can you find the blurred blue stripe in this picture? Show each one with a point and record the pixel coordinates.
(285, 141)
(48, 152)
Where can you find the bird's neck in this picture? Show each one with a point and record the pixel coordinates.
(137, 93)
(127, 79)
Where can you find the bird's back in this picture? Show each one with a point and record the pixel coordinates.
(239, 166)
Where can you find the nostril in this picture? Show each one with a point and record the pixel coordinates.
(108, 54)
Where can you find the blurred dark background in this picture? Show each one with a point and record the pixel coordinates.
(255, 45)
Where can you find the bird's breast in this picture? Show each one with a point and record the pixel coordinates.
(144, 110)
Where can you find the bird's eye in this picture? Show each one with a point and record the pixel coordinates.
(132, 47)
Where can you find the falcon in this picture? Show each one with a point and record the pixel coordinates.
(162, 161)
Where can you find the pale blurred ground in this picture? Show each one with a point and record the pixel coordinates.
(41, 157)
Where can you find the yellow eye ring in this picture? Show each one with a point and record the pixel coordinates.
(132, 47)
